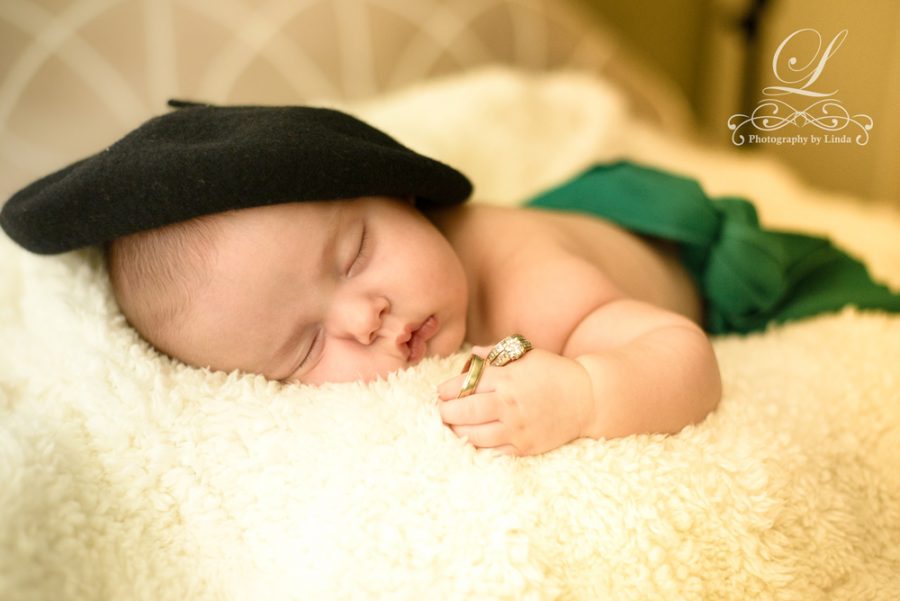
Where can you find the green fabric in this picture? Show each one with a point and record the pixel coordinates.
(748, 275)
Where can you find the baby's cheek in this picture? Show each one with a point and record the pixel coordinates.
(342, 363)
(450, 339)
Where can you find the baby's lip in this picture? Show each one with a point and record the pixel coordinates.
(416, 338)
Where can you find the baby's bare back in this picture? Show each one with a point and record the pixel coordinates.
(547, 268)
(645, 268)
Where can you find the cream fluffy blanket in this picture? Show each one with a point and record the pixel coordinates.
(124, 475)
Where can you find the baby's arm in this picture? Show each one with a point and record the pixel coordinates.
(628, 367)
(651, 370)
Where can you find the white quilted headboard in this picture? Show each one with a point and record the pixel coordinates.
(76, 75)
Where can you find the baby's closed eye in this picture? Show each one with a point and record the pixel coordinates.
(363, 251)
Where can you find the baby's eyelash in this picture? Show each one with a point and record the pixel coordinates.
(364, 248)
(309, 353)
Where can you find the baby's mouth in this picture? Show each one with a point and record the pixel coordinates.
(420, 336)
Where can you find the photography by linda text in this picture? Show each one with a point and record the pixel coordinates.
(822, 110)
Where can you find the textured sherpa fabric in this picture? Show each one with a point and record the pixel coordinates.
(128, 476)
(204, 159)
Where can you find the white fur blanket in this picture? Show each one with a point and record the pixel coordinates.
(124, 475)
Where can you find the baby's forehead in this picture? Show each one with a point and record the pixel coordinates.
(267, 231)
(306, 217)
(312, 215)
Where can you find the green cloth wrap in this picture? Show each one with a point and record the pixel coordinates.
(749, 276)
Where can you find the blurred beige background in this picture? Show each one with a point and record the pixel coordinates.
(77, 74)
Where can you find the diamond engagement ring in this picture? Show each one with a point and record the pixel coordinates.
(509, 349)
(474, 367)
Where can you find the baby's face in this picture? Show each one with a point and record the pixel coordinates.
(326, 292)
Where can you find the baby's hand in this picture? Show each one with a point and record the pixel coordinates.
(527, 407)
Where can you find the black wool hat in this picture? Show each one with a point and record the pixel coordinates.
(204, 159)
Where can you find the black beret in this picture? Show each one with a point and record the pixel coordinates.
(203, 159)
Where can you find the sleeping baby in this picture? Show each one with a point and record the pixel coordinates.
(307, 246)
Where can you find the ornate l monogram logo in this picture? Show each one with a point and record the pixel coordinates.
(828, 114)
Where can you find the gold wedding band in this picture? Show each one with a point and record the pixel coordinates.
(509, 349)
(474, 367)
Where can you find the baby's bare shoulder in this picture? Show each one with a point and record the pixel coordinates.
(533, 280)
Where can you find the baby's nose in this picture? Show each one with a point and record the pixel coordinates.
(362, 317)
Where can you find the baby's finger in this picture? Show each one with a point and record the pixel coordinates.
(449, 389)
(468, 411)
(491, 434)
(482, 351)
(506, 449)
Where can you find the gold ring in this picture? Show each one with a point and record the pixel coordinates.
(509, 349)
(474, 366)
